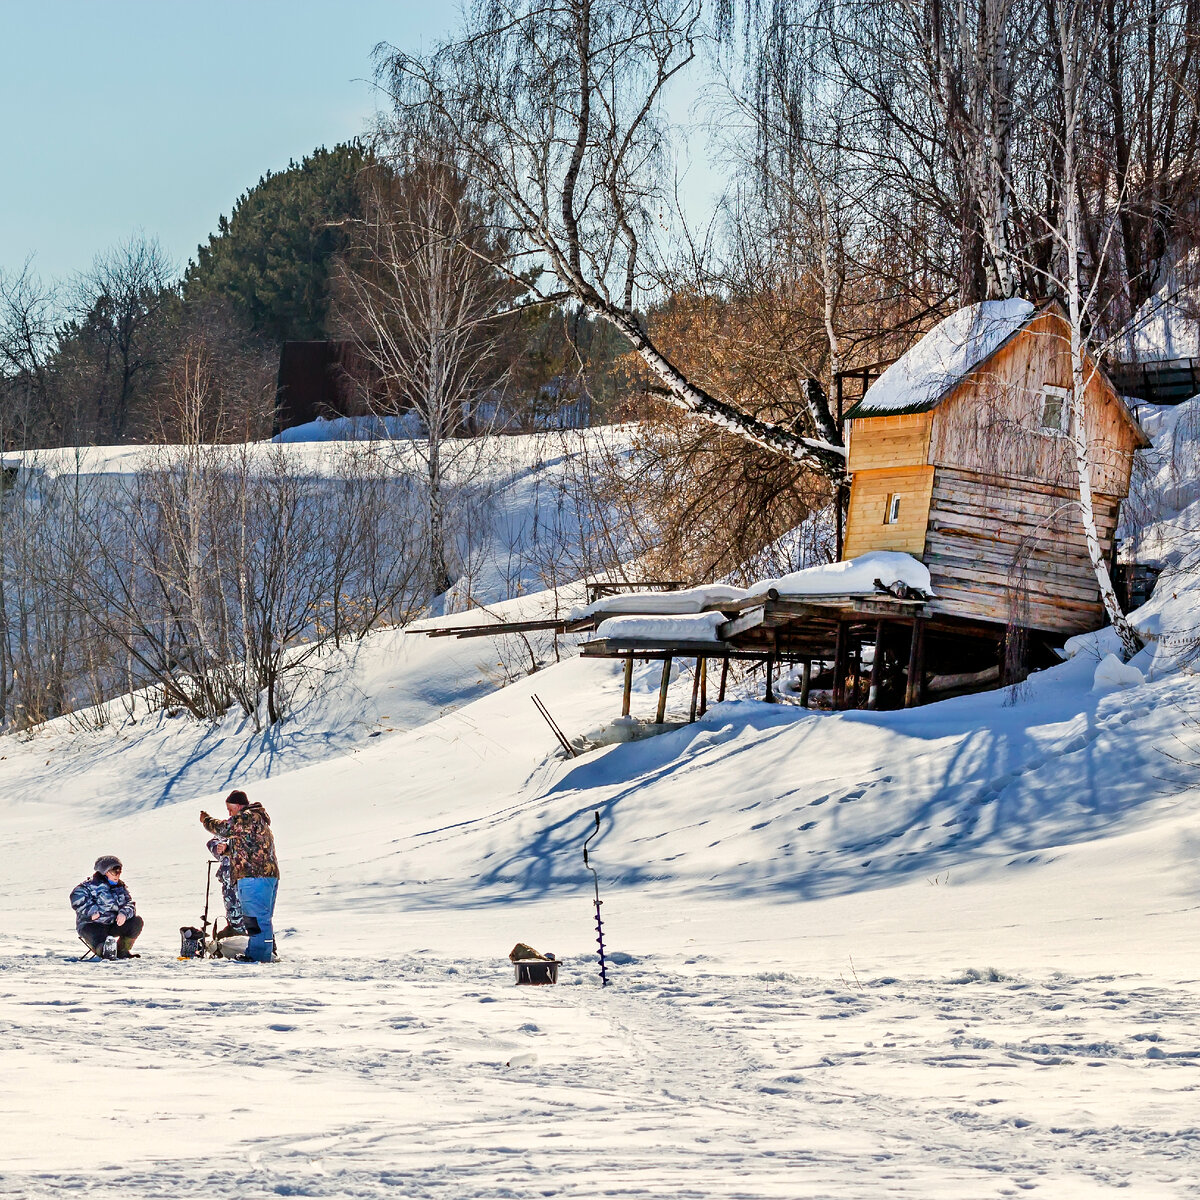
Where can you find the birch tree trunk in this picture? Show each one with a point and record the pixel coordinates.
(1074, 51)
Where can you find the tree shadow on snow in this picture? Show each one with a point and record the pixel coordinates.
(978, 781)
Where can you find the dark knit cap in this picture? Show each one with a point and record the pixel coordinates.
(108, 862)
(237, 797)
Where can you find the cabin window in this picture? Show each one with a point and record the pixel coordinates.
(1056, 409)
(891, 512)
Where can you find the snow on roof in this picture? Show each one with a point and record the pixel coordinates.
(855, 576)
(945, 355)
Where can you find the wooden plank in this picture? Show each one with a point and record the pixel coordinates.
(662, 691)
(1034, 578)
(876, 666)
(916, 665)
(747, 621)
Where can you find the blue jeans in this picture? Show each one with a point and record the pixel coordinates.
(257, 896)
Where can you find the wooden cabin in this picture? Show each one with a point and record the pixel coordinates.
(962, 454)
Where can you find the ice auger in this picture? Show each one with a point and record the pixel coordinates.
(599, 922)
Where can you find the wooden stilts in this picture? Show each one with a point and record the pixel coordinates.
(628, 689)
(770, 696)
(695, 691)
(662, 691)
(916, 665)
(724, 677)
(839, 667)
(876, 666)
(805, 683)
(703, 686)
(855, 674)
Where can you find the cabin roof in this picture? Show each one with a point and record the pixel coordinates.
(923, 377)
(947, 354)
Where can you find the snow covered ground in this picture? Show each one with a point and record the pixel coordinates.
(947, 952)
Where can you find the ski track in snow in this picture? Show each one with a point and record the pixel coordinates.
(372, 1078)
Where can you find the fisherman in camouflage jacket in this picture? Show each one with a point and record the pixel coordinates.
(247, 840)
(104, 908)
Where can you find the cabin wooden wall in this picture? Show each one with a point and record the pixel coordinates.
(865, 530)
(886, 455)
(992, 422)
(1000, 550)
(990, 497)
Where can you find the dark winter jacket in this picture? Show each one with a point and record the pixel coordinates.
(251, 844)
(97, 895)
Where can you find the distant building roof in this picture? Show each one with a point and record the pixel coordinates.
(949, 352)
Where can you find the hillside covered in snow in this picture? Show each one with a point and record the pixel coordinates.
(939, 952)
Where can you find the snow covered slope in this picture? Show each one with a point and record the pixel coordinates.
(938, 953)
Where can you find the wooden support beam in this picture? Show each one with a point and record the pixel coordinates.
(876, 666)
(770, 696)
(724, 677)
(914, 691)
(703, 686)
(839, 667)
(805, 683)
(627, 690)
(662, 692)
(695, 691)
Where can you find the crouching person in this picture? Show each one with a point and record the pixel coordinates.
(247, 840)
(104, 908)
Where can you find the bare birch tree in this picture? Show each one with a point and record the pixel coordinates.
(555, 108)
(419, 294)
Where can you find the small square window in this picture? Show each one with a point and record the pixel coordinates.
(1056, 409)
(891, 512)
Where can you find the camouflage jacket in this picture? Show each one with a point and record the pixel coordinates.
(97, 895)
(251, 844)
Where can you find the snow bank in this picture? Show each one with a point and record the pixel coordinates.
(693, 627)
(351, 429)
(1113, 674)
(1165, 327)
(950, 350)
(854, 577)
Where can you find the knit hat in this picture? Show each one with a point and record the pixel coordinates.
(237, 797)
(108, 862)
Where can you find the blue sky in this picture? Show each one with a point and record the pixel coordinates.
(122, 116)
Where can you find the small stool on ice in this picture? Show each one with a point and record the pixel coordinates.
(536, 970)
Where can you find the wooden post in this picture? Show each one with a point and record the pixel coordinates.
(914, 690)
(703, 686)
(628, 690)
(855, 674)
(724, 677)
(805, 683)
(662, 691)
(839, 667)
(770, 696)
(695, 691)
(876, 667)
